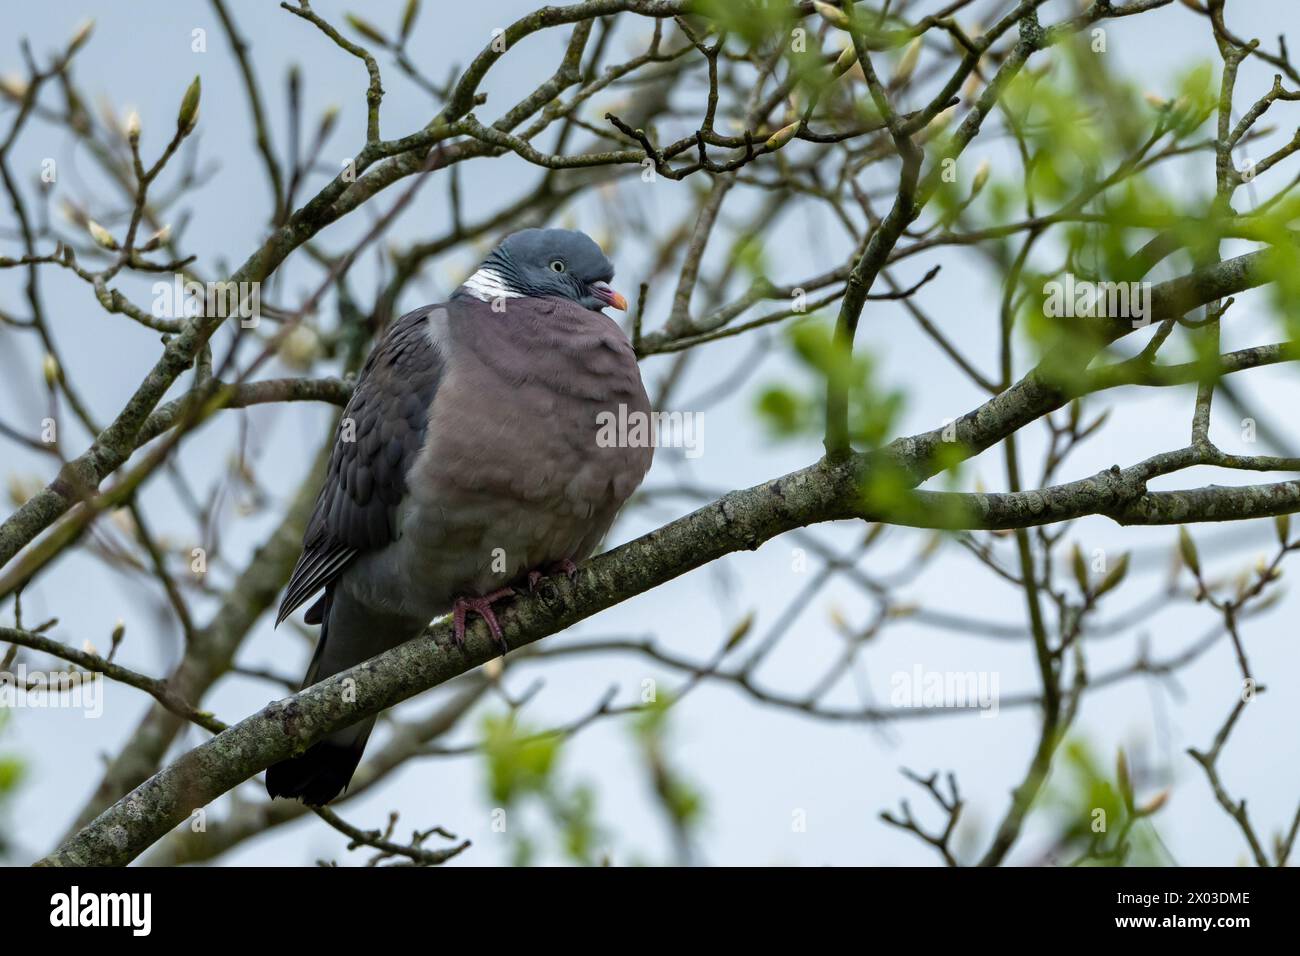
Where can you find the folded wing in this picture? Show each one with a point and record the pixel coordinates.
(380, 435)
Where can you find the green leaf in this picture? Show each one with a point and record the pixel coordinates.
(739, 632)
(757, 22)
(1080, 567)
(1123, 778)
(782, 410)
(519, 761)
(11, 771)
(1187, 549)
(189, 111)
(366, 29)
(1114, 576)
(408, 17)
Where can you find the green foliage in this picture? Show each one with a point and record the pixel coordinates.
(579, 831)
(1282, 265)
(1099, 820)
(790, 411)
(519, 762)
(785, 412)
(798, 409)
(1066, 145)
(1083, 127)
(524, 779)
(11, 772)
(749, 256)
(1197, 99)
(680, 801)
(522, 773)
(888, 495)
(11, 775)
(756, 22)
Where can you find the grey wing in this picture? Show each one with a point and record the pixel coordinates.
(380, 434)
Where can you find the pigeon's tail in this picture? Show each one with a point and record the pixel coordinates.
(323, 770)
(350, 633)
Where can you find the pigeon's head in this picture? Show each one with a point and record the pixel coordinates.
(564, 263)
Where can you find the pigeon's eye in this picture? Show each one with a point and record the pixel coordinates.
(557, 265)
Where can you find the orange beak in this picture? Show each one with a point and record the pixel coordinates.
(614, 300)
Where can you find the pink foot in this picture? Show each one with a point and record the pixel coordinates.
(482, 606)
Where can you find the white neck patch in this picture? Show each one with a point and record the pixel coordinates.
(487, 284)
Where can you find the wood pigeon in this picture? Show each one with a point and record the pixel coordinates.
(467, 460)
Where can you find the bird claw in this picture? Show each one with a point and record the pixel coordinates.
(565, 567)
(482, 606)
